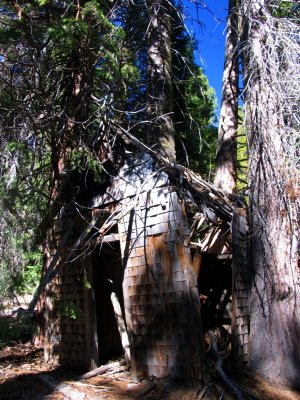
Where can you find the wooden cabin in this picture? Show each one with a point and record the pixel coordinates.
(165, 262)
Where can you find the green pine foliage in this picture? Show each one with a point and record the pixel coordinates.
(20, 259)
(285, 9)
(196, 133)
(40, 52)
(194, 105)
(67, 71)
(194, 101)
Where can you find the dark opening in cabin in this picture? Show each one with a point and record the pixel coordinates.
(107, 278)
(215, 290)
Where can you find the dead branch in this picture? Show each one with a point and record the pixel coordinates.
(47, 277)
(54, 268)
(219, 362)
(213, 202)
(200, 395)
(101, 370)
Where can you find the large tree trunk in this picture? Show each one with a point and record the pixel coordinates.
(160, 131)
(226, 152)
(275, 319)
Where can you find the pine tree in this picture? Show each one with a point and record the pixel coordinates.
(193, 101)
(160, 130)
(228, 125)
(271, 74)
(58, 85)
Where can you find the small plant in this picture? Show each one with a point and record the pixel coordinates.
(87, 283)
(69, 309)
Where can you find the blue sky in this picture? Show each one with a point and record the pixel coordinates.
(211, 38)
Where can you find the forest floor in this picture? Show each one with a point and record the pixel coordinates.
(24, 375)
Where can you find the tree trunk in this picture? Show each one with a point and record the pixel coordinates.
(275, 319)
(226, 151)
(160, 131)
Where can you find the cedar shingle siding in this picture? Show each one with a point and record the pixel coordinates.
(148, 262)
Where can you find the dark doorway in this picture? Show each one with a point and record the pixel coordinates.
(107, 278)
(215, 289)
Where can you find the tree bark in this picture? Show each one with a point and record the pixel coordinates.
(160, 131)
(275, 317)
(226, 151)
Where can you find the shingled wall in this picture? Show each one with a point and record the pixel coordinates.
(161, 299)
(65, 335)
(65, 306)
(240, 279)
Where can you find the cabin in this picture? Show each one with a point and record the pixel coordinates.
(144, 263)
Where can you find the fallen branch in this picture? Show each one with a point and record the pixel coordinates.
(219, 362)
(200, 395)
(117, 370)
(50, 270)
(101, 370)
(214, 203)
(56, 266)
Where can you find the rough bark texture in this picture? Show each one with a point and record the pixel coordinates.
(228, 125)
(275, 319)
(160, 131)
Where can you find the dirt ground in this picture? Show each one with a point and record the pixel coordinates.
(23, 373)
